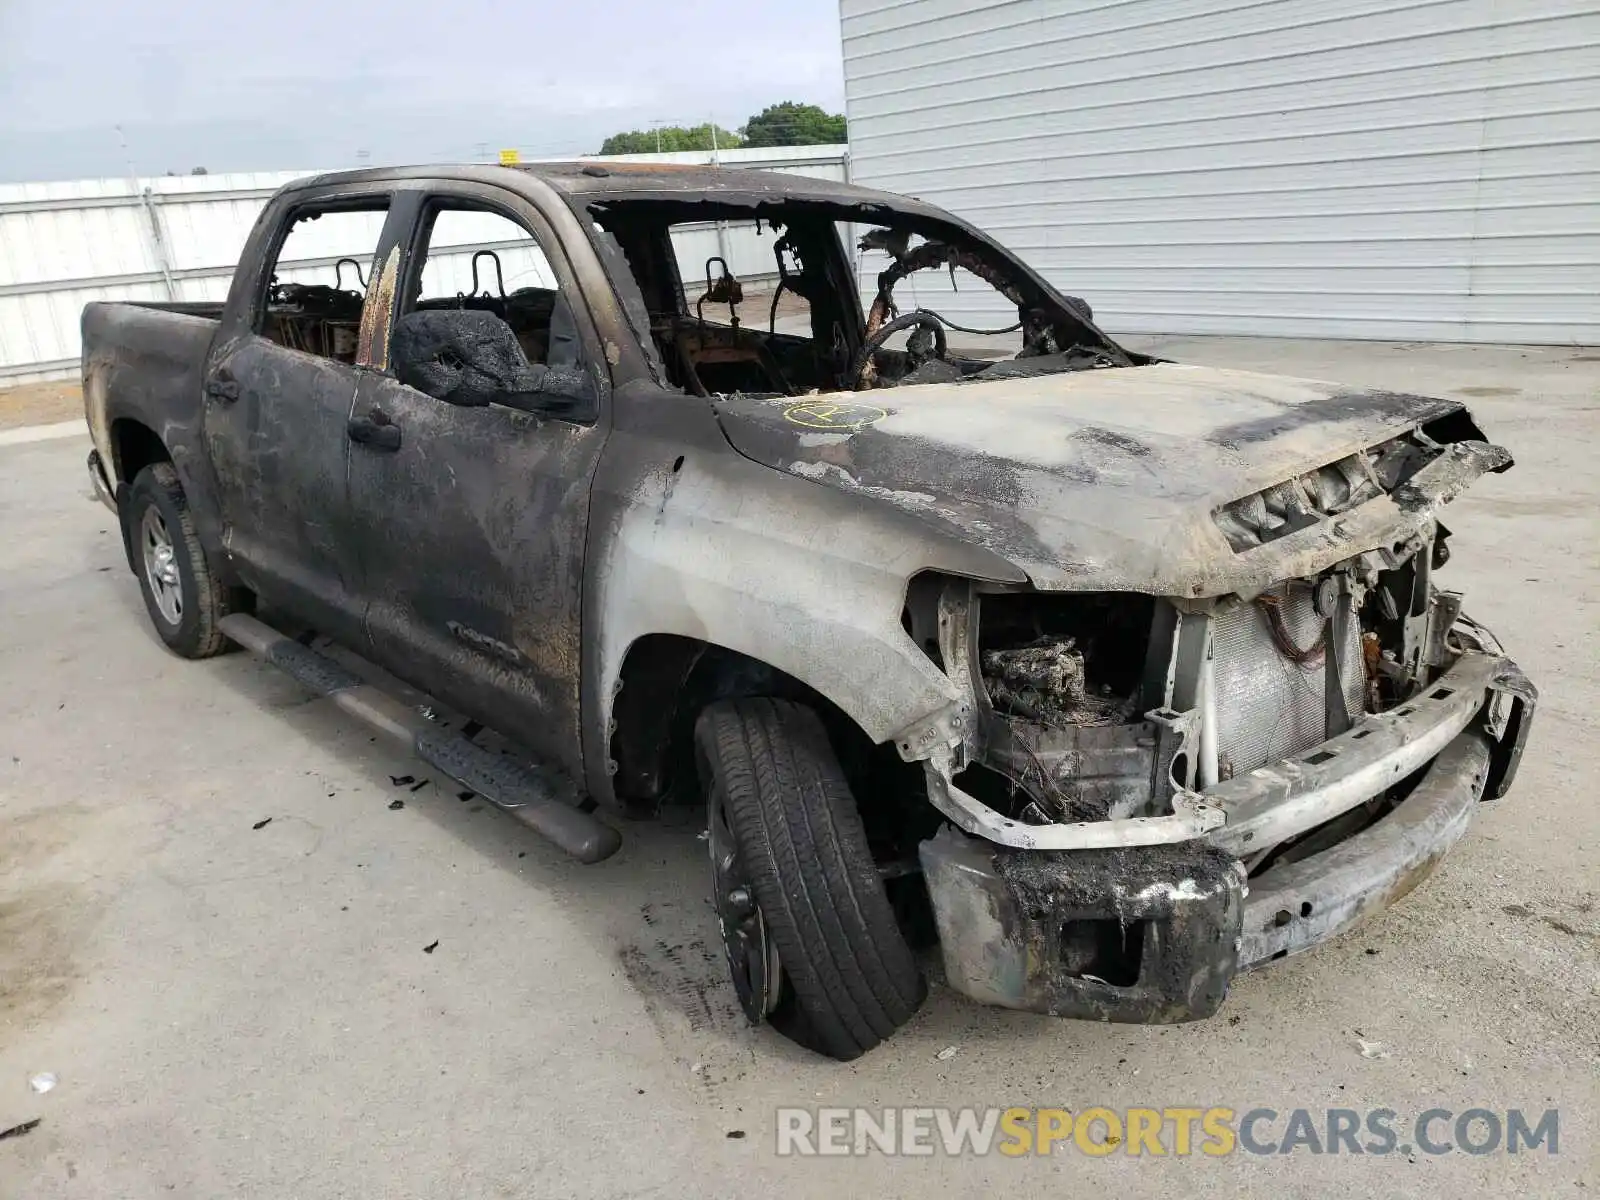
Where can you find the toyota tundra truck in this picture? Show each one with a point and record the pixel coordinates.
(987, 646)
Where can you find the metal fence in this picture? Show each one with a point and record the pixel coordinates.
(162, 238)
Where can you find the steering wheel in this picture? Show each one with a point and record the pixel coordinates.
(920, 317)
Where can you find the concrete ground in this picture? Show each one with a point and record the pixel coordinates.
(255, 976)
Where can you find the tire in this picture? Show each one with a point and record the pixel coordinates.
(181, 592)
(848, 979)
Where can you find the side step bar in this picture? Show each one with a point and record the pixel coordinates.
(534, 797)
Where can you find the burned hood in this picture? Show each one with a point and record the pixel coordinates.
(1129, 479)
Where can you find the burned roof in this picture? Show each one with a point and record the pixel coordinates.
(598, 177)
(588, 180)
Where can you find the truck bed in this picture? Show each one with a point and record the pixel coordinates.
(190, 308)
(148, 357)
(176, 333)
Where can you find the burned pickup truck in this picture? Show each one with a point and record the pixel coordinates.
(1111, 676)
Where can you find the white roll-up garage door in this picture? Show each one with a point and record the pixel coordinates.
(1409, 169)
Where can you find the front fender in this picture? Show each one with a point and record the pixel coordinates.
(709, 545)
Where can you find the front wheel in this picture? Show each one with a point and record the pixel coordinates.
(810, 936)
(181, 593)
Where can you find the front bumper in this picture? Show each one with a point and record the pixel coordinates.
(1154, 933)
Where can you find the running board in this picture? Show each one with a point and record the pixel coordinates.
(534, 797)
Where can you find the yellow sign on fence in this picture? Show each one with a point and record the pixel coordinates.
(510, 158)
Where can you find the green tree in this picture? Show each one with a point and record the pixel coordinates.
(669, 137)
(792, 124)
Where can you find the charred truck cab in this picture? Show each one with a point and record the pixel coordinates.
(1116, 676)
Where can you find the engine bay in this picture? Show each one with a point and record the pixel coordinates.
(1096, 707)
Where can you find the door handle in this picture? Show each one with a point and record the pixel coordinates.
(375, 429)
(223, 386)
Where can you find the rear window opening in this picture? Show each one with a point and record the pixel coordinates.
(317, 279)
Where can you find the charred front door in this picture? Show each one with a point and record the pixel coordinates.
(472, 518)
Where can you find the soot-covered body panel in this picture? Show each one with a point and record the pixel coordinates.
(1099, 479)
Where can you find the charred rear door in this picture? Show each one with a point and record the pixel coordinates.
(279, 383)
(472, 520)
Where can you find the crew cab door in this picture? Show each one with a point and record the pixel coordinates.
(472, 521)
(280, 381)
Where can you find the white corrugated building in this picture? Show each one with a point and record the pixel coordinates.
(1396, 169)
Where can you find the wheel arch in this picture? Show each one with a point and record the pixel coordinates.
(808, 582)
(134, 446)
(134, 440)
(667, 680)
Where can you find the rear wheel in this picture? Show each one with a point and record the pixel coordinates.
(810, 936)
(181, 593)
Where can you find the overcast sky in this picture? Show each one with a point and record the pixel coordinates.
(309, 84)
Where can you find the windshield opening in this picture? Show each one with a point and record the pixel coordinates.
(799, 297)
